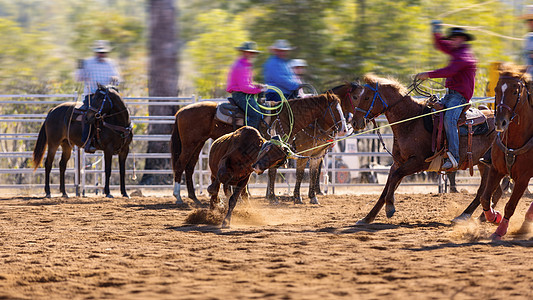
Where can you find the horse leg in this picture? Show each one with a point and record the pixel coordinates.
(108, 156)
(183, 158)
(65, 156)
(493, 181)
(392, 181)
(122, 156)
(213, 189)
(300, 170)
(467, 213)
(526, 225)
(453, 184)
(519, 188)
(189, 171)
(233, 201)
(316, 184)
(52, 149)
(314, 164)
(270, 195)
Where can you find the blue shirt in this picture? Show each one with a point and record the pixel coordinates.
(278, 73)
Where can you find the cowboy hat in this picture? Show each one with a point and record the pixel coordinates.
(283, 45)
(248, 47)
(528, 13)
(458, 31)
(101, 46)
(298, 63)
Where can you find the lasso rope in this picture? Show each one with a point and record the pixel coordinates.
(278, 107)
(395, 123)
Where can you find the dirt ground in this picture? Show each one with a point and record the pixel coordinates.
(141, 248)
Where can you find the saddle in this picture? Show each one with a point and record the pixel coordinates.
(471, 122)
(230, 113)
(78, 113)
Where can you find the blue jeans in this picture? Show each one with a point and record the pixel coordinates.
(451, 117)
(275, 96)
(250, 107)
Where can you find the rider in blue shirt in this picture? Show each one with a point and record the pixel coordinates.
(278, 73)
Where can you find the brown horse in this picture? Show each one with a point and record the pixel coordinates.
(412, 142)
(114, 134)
(512, 153)
(196, 123)
(314, 142)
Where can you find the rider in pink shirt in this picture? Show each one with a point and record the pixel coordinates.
(240, 85)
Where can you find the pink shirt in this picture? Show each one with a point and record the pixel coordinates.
(240, 78)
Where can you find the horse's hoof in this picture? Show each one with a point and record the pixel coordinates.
(314, 200)
(126, 196)
(462, 218)
(496, 237)
(48, 196)
(390, 210)
(482, 218)
(493, 216)
(298, 200)
(362, 222)
(65, 195)
(109, 196)
(225, 224)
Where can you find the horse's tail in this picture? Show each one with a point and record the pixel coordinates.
(175, 144)
(40, 147)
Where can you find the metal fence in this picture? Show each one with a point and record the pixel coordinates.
(345, 168)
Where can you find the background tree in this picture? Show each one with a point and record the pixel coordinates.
(163, 76)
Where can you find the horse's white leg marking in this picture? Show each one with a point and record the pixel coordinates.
(176, 193)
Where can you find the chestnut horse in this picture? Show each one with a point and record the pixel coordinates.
(512, 153)
(114, 135)
(195, 123)
(313, 142)
(412, 142)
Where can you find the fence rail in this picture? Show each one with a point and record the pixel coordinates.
(342, 169)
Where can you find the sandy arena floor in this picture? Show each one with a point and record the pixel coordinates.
(141, 248)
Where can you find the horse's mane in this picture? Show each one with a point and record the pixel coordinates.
(373, 79)
(513, 70)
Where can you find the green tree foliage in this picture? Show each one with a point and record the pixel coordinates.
(213, 50)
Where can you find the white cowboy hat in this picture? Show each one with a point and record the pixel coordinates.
(298, 63)
(281, 45)
(528, 13)
(101, 46)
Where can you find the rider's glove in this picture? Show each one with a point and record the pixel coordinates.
(436, 26)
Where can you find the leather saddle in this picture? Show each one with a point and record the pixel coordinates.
(78, 113)
(471, 122)
(230, 113)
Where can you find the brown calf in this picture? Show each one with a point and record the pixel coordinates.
(230, 160)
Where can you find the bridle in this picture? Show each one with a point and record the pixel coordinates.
(377, 95)
(501, 106)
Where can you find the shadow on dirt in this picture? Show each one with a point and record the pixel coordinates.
(511, 243)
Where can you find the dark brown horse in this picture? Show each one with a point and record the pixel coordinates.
(196, 123)
(512, 153)
(60, 128)
(412, 142)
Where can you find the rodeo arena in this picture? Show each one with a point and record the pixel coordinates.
(340, 194)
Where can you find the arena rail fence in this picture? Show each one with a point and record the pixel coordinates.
(345, 168)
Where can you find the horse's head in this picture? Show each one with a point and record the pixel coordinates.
(333, 119)
(273, 154)
(347, 94)
(511, 92)
(105, 100)
(373, 99)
